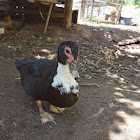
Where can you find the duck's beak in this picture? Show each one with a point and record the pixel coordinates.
(73, 70)
(75, 75)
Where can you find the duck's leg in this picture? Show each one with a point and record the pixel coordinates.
(57, 110)
(44, 116)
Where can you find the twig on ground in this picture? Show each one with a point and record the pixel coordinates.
(35, 52)
(4, 38)
(102, 60)
(91, 62)
(89, 84)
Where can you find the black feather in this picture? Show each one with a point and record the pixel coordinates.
(37, 77)
(22, 62)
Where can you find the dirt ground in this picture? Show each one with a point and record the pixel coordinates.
(109, 103)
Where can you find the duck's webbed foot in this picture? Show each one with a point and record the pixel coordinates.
(44, 116)
(57, 110)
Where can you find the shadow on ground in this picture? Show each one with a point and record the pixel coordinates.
(108, 110)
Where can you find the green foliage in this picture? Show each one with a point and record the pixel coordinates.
(88, 76)
(126, 2)
(136, 2)
(121, 1)
(94, 19)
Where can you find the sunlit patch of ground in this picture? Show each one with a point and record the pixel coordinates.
(134, 48)
(130, 129)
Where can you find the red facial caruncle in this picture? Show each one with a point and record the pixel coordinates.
(70, 56)
(68, 53)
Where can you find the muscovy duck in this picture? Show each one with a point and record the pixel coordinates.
(52, 81)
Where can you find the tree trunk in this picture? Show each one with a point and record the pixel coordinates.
(68, 13)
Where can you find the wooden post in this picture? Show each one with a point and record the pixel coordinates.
(99, 11)
(87, 10)
(92, 8)
(68, 13)
(118, 14)
(82, 13)
(48, 17)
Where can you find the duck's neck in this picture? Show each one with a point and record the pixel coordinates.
(63, 81)
(63, 70)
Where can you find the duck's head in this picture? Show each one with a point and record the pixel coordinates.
(68, 53)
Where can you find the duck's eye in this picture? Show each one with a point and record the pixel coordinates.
(67, 51)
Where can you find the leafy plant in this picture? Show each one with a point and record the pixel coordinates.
(94, 19)
(88, 76)
(126, 2)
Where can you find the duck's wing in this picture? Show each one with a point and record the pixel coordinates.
(40, 68)
(36, 76)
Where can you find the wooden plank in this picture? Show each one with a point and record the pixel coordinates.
(59, 9)
(129, 41)
(26, 11)
(48, 1)
(57, 15)
(4, 8)
(105, 21)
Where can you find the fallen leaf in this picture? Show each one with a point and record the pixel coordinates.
(88, 76)
(81, 64)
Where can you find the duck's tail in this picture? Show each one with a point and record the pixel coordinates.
(19, 63)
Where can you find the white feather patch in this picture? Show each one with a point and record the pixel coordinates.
(63, 80)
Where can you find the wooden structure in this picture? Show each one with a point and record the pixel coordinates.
(32, 9)
(87, 11)
(51, 3)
